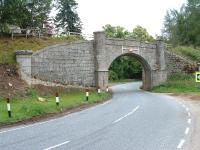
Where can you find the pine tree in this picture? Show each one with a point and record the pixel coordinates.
(67, 18)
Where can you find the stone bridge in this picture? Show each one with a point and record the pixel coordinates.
(86, 63)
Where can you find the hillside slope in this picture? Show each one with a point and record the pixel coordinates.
(188, 52)
(8, 66)
(8, 46)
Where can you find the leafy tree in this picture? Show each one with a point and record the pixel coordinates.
(141, 34)
(23, 13)
(67, 17)
(17, 12)
(38, 11)
(115, 32)
(183, 27)
(193, 11)
(138, 33)
(125, 67)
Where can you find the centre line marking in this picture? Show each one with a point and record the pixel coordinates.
(180, 145)
(105, 103)
(187, 109)
(58, 145)
(189, 121)
(189, 114)
(134, 110)
(187, 130)
(27, 126)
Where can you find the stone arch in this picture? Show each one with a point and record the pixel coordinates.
(150, 55)
(86, 63)
(146, 77)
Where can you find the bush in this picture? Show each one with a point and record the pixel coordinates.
(32, 93)
(189, 52)
(113, 76)
(179, 83)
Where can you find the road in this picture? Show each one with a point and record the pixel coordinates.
(132, 120)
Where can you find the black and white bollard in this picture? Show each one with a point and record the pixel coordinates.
(107, 89)
(9, 108)
(57, 99)
(99, 90)
(87, 94)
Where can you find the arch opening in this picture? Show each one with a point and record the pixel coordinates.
(145, 74)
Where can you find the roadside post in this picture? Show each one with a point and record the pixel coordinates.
(8, 101)
(57, 99)
(87, 94)
(198, 66)
(9, 108)
(99, 90)
(107, 89)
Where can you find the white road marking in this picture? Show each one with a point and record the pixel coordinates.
(105, 103)
(180, 145)
(189, 114)
(58, 145)
(189, 121)
(40, 123)
(187, 109)
(26, 126)
(187, 130)
(183, 106)
(34, 124)
(134, 110)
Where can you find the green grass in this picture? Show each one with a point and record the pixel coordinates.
(30, 107)
(8, 46)
(189, 52)
(179, 83)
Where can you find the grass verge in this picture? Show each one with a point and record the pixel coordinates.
(179, 83)
(8, 46)
(30, 107)
(189, 52)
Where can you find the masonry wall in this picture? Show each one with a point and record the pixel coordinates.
(71, 64)
(86, 63)
(150, 55)
(176, 63)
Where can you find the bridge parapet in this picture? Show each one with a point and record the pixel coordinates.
(86, 63)
(150, 55)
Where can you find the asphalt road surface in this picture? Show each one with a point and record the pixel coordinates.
(131, 120)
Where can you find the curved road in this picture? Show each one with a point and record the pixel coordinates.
(131, 120)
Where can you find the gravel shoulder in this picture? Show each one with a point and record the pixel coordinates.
(193, 102)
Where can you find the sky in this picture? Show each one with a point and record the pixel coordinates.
(126, 13)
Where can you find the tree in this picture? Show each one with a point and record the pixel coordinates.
(138, 33)
(193, 10)
(141, 34)
(17, 12)
(23, 13)
(67, 17)
(183, 27)
(38, 11)
(125, 67)
(115, 32)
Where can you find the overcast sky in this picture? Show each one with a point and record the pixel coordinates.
(127, 13)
